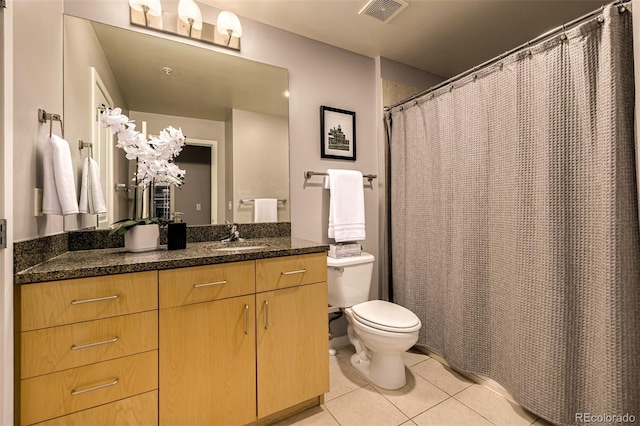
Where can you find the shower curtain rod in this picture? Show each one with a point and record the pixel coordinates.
(498, 58)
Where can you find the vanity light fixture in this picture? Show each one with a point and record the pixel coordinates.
(187, 22)
(147, 7)
(228, 24)
(189, 13)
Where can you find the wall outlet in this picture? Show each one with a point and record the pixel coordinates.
(198, 207)
(37, 201)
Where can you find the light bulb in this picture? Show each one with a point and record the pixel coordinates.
(229, 24)
(154, 8)
(189, 12)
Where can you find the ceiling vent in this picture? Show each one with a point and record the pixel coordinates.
(383, 10)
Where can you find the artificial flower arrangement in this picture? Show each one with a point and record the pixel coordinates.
(154, 159)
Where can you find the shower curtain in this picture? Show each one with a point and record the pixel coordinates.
(514, 222)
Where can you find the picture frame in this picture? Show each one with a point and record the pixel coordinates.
(337, 133)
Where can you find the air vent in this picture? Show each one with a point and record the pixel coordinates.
(383, 10)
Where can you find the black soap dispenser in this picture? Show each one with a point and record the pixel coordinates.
(177, 233)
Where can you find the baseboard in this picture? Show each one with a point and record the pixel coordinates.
(488, 383)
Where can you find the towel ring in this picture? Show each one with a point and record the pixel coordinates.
(82, 144)
(44, 116)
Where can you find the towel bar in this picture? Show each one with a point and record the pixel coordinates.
(307, 175)
(251, 200)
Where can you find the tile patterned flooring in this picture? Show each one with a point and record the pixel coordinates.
(434, 395)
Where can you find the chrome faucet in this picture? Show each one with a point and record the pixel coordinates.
(234, 234)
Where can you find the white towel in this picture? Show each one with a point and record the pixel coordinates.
(59, 193)
(91, 198)
(265, 210)
(346, 205)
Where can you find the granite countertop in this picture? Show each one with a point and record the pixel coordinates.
(90, 263)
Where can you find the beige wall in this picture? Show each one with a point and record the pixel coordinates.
(408, 76)
(37, 83)
(260, 162)
(228, 175)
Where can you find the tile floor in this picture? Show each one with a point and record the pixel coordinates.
(434, 395)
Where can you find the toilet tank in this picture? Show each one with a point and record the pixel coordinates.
(349, 279)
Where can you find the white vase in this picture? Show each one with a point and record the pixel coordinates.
(142, 238)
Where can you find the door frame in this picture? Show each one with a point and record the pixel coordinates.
(109, 189)
(6, 211)
(213, 161)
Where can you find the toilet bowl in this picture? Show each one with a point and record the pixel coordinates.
(379, 331)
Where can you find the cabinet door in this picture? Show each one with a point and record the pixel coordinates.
(293, 345)
(207, 363)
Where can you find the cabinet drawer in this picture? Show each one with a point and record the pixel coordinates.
(65, 302)
(58, 394)
(137, 410)
(282, 272)
(197, 284)
(59, 348)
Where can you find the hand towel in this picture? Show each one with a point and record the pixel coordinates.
(59, 192)
(346, 205)
(91, 198)
(265, 210)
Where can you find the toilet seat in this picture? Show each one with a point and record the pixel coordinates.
(386, 316)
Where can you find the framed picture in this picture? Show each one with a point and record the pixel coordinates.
(337, 133)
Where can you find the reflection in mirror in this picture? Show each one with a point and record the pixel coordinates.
(233, 111)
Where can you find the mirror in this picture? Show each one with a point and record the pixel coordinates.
(233, 111)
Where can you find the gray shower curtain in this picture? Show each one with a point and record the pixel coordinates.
(514, 222)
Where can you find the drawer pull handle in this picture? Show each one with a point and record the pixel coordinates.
(246, 319)
(91, 345)
(105, 385)
(209, 284)
(299, 271)
(97, 299)
(266, 308)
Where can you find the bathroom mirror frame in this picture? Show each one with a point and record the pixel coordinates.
(244, 102)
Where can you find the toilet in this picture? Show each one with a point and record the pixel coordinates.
(380, 331)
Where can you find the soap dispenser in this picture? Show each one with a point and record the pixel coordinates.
(177, 233)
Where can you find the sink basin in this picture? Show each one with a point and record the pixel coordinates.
(242, 248)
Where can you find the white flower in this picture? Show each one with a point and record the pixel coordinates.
(114, 120)
(154, 156)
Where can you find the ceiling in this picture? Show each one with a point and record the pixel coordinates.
(444, 37)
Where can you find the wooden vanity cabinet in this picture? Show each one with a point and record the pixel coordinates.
(227, 344)
(262, 323)
(89, 350)
(207, 345)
